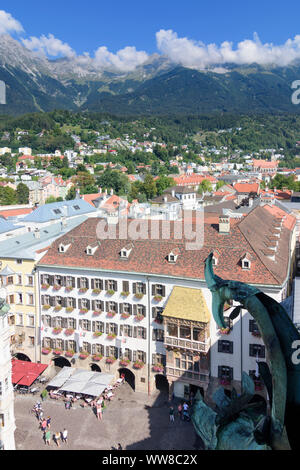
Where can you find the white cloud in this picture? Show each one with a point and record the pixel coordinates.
(125, 60)
(198, 55)
(8, 24)
(49, 46)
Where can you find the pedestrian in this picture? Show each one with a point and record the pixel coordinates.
(119, 447)
(43, 425)
(40, 415)
(179, 410)
(47, 437)
(64, 436)
(171, 413)
(48, 422)
(56, 438)
(68, 405)
(99, 411)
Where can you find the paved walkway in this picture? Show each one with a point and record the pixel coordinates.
(135, 420)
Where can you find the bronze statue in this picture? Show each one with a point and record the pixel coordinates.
(282, 379)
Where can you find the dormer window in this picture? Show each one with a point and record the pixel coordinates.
(63, 248)
(246, 261)
(125, 252)
(90, 250)
(215, 258)
(172, 257)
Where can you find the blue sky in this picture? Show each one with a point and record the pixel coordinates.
(174, 28)
(116, 24)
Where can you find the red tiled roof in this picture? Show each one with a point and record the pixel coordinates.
(264, 164)
(149, 256)
(15, 212)
(193, 179)
(247, 188)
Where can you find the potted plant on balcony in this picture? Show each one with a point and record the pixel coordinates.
(97, 357)
(96, 313)
(138, 364)
(124, 362)
(158, 368)
(83, 355)
(110, 314)
(138, 295)
(69, 288)
(69, 309)
(110, 292)
(45, 286)
(111, 336)
(56, 287)
(69, 331)
(57, 330)
(125, 293)
(157, 298)
(82, 290)
(256, 333)
(46, 351)
(225, 331)
(96, 291)
(224, 381)
(158, 319)
(125, 315)
(98, 333)
(70, 353)
(57, 308)
(139, 317)
(46, 307)
(57, 351)
(110, 360)
(83, 310)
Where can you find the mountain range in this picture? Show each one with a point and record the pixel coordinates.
(35, 83)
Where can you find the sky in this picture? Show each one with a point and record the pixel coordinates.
(122, 34)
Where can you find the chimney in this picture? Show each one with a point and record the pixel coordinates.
(224, 224)
(165, 198)
(100, 190)
(250, 202)
(37, 233)
(173, 192)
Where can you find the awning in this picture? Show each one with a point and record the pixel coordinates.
(61, 377)
(25, 372)
(82, 381)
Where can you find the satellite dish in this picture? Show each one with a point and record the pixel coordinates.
(3, 293)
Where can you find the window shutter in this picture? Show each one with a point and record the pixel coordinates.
(134, 309)
(125, 286)
(79, 303)
(219, 346)
(115, 286)
(80, 323)
(144, 288)
(153, 289)
(88, 304)
(121, 330)
(134, 356)
(43, 300)
(52, 301)
(78, 282)
(130, 309)
(231, 373)
(144, 358)
(65, 322)
(116, 307)
(42, 278)
(93, 349)
(231, 347)
(73, 281)
(144, 333)
(153, 312)
(107, 351)
(220, 372)
(144, 310)
(130, 331)
(116, 353)
(107, 328)
(89, 325)
(92, 283)
(121, 308)
(93, 305)
(153, 359)
(106, 284)
(163, 291)
(251, 350)
(153, 335)
(87, 282)
(89, 348)
(134, 288)
(134, 331)
(64, 280)
(51, 280)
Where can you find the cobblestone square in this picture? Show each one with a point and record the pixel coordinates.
(134, 419)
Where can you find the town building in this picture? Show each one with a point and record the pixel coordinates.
(119, 296)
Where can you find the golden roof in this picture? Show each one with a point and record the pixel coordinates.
(187, 304)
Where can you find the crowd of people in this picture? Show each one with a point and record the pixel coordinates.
(45, 425)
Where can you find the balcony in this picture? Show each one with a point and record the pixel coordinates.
(187, 344)
(201, 376)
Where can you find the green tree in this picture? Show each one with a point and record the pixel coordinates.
(8, 196)
(205, 186)
(50, 199)
(71, 194)
(22, 194)
(162, 183)
(220, 184)
(149, 186)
